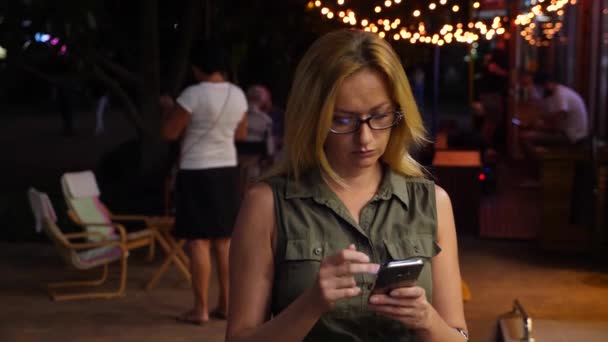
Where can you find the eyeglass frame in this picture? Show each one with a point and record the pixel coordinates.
(398, 117)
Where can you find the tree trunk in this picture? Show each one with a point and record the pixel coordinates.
(148, 91)
(181, 61)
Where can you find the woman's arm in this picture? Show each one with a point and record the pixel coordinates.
(174, 124)
(251, 278)
(241, 129)
(447, 286)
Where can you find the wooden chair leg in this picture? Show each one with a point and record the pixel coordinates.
(96, 282)
(90, 295)
(171, 257)
(151, 249)
(169, 245)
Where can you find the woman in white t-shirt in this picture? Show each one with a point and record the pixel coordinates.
(210, 115)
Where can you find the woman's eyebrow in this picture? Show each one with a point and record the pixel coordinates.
(375, 108)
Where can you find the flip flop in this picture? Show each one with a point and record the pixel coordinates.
(217, 314)
(190, 320)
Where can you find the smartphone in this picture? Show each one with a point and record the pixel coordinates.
(398, 273)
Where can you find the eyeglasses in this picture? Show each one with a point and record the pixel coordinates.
(349, 124)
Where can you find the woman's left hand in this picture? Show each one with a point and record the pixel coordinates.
(406, 304)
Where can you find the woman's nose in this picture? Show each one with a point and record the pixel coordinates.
(364, 134)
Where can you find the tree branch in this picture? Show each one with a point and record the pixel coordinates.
(122, 96)
(117, 69)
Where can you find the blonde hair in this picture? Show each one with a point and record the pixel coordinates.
(332, 58)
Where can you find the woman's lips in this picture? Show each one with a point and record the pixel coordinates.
(364, 154)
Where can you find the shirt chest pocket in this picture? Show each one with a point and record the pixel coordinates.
(423, 247)
(300, 267)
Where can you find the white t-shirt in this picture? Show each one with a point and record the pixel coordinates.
(217, 109)
(575, 124)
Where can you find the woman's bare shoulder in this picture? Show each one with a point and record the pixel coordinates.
(257, 209)
(442, 197)
(259, 191)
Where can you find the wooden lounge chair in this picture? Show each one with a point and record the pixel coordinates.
(80, 255)
(86, 209)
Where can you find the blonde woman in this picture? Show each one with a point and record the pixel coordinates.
(346, 198)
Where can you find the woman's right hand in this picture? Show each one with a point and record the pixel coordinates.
(336, 281)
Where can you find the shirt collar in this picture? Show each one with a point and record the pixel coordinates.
(311, 185)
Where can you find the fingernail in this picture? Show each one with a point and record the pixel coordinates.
(374, 299)
(375, 268)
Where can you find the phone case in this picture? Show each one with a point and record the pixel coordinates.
(400, 273)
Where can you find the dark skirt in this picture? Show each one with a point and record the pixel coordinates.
(207, 203)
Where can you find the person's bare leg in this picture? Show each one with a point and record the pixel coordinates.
(221, 248)
(200, 269)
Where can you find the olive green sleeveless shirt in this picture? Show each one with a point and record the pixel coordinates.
(400, 221)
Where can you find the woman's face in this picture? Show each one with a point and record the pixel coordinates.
(361, 95)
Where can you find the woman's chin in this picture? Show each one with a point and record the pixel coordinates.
(365, 163)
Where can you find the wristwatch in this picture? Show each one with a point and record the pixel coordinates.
(463, 333)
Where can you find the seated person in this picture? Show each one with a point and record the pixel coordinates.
(564, 120)
(528, 91)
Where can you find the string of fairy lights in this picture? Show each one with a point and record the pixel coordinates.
(410, 27)
(543, 22)
(537, 26)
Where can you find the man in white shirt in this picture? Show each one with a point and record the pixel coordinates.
(565, 119)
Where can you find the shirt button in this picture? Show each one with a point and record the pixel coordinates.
(416, 249)
(318, 251)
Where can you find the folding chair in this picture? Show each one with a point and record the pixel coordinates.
(80, 255)
(82, 196)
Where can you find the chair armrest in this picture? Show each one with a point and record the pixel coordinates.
(80, 223)
(130, 217)
(89, 245)
(122, 232)
(83, 235)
